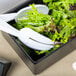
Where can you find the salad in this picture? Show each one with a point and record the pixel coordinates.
(59, 25)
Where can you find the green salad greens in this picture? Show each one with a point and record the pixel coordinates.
(59, 25)
(34, 20)
(63, 17)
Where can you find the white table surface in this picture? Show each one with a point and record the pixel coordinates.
(61, 68)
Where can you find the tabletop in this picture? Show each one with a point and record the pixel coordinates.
(62, 67)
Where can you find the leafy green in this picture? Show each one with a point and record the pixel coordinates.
(64, 18)
(58, 26)
(32, 17)
(47, 51)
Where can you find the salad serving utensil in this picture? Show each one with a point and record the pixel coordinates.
(29, 37)
(21, 13)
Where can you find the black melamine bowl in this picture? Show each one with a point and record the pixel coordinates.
(37, 63)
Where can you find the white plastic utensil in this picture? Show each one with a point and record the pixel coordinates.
(29, 37)
(7, 17)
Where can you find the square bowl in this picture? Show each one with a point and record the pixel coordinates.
(37, 63)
